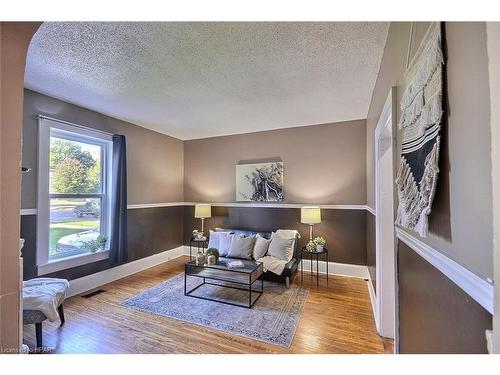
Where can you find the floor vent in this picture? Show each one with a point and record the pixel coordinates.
(94, 293)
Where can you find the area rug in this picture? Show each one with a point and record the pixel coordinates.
(272, 319)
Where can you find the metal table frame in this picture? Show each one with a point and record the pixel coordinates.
(248, 288)
(317, 254)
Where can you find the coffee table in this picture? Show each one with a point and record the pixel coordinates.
(242, 278)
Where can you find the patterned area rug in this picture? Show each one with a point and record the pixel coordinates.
(272, 319)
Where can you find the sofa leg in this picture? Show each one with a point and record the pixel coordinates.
(288, 282)
(60, 310)
(38, 334)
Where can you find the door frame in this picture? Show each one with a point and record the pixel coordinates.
(493, 33)
(386, 281)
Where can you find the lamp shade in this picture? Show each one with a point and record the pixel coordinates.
(202, 211)
(310, 215)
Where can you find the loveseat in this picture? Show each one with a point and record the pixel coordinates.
(290, 268)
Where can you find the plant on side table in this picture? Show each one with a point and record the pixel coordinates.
(320, 243)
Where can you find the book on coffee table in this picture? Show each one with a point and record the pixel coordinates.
(235, 264)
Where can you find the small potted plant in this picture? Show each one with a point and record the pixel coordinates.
(320, 243)
(212, 255)
(96, 245)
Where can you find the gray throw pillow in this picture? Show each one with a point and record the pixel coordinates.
(214, 239)
(260, 246)
(241, 247)
(225, 244)
(281, 248)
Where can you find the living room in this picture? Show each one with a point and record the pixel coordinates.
(249, 187)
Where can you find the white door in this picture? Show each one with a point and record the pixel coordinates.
(384, 206)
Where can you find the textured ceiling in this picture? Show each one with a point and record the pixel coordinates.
(195, 80)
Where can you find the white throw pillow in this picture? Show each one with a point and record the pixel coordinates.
(225, 244)
(287, 233)
(214, 239)
(281, 248)
(241, 247)
(260, 246)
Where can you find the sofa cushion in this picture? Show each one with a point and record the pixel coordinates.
(281, 247)
(260, 246)
(241, 247)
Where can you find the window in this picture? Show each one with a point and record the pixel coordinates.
(74, 191)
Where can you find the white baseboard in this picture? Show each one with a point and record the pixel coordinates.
(339, 269)
(98, 279)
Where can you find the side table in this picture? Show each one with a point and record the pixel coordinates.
(197, 244)
(306, 252)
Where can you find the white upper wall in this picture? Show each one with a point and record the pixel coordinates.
(196, 80)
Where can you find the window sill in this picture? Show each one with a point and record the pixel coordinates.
(75, 261)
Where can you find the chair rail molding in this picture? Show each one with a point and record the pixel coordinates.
(33, 211)
(479, 289)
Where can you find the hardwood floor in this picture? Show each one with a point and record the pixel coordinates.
(335, 319)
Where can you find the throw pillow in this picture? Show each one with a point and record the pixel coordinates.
(225, 244)
(260, 246)
(214, 239)
(287, 233)
(241, 247)
(281, 248)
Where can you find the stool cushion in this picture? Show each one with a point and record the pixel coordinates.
(33, 316)
(45, 295)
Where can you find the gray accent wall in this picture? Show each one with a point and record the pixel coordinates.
(371, 260)
(343, 229)
(435, 315)
(149, 231)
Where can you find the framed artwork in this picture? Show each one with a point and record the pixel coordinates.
(260, 182)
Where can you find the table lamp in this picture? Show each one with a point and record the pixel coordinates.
(202, 211)
(311, 216)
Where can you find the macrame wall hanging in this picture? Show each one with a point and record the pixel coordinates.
(420, 124)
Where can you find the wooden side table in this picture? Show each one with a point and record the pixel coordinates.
(197, 244)
(312, 254)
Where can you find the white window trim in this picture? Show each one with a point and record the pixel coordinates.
(43, 210)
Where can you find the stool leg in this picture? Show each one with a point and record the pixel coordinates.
(38, 332)
(60, 310)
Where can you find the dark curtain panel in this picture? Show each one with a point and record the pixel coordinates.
(118, 253)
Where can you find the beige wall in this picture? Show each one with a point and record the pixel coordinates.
(14, 41)
(460, 223)
(322, 163)
(155, 161)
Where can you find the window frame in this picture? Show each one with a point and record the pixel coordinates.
(48, 127)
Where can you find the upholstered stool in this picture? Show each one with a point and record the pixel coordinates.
(42, 300)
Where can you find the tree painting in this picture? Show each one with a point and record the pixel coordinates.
(259, 182)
